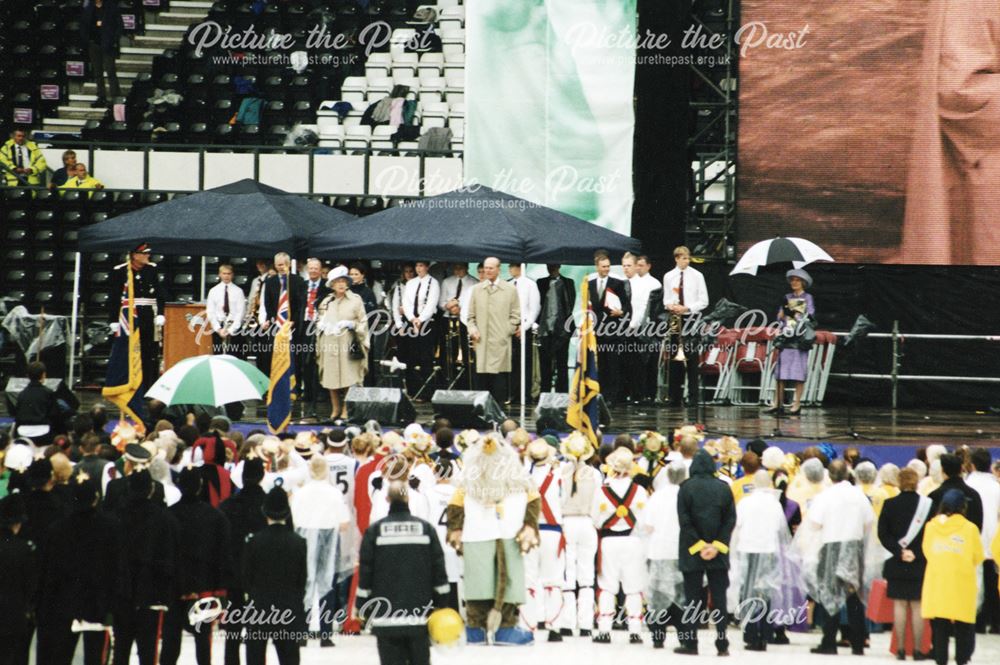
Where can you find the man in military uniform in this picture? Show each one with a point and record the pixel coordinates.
(246, 517)
(149, 295)
(275, 570)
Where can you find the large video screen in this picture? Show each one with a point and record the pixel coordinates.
(872, 127)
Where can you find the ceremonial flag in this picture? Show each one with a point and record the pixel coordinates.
(282, 389)
(124, 377)
(583, 414)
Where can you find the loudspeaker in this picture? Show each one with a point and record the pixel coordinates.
(467, 408)
(551, 412)
(388, 406)
(58, 386)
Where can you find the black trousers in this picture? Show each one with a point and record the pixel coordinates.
(174, 624)
(989, 615)
(759, 631)
(553, 352)
(234, 632)
(609, 368)
(149, 348)
(404, 649)
(529, 367)
(419, 358)
(855, 625)
(676, 371)
(310, 373)
(649, 368)
(495, 384)
(288, 651)
(14, 648)
(965, 640)
(101, 62)
(696, 609)
(141, 627)
(57, 643)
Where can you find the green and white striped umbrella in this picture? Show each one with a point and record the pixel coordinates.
(210, 380)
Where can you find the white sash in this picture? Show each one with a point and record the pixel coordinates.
(917, 523)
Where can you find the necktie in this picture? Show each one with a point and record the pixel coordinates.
(225, 300)
(458, 292)
(680, 290)
(19, 156)
(416, 299)
(311, 302)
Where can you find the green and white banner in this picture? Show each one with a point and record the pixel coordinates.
(549, 89)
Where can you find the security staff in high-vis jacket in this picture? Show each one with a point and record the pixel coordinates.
(150, 296)
(401, 578)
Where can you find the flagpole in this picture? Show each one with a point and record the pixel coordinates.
(73, 319)
(524, 272)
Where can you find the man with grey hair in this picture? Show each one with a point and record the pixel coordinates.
(315, 291)
(284, 297)
(836, 536)
(659, 525)
(494, 316)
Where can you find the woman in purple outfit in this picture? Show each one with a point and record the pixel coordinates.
(793, 363)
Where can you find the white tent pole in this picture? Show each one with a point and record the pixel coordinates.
(73, 318)
(203, 277)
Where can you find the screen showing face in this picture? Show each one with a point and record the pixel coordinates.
(872, 128)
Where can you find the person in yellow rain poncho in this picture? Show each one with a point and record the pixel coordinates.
(954, 552)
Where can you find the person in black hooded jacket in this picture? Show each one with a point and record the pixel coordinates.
(82, 564)
(204, 567)
(151, 543)
(245, 512)
(18, 578)
(707, 515)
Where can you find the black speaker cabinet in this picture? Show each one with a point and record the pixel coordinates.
(467, 408)
(551, 412)
(389, 406)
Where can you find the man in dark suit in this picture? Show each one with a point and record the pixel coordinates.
(555, 328)
(611, 304)
(274, 577)
(315, 291)
(295, 286)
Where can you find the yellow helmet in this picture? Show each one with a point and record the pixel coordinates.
(445, 626)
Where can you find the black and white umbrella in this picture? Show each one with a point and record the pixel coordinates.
(797, 251)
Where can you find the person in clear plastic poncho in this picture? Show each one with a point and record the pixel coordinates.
(841, 556)
(765, 571)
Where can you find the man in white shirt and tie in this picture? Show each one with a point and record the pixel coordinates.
(531, 304)
(454, 335)
(226, 306)
(647, 314)
(684, 295)
(421, 296)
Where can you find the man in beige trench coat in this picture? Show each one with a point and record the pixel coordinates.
(494, 316)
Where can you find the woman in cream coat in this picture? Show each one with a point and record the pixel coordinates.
(342, 321)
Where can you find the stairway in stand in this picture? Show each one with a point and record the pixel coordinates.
(164, 31)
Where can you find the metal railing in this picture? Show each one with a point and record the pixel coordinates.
(894, 375)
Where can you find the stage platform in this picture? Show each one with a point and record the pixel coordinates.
(903, 427)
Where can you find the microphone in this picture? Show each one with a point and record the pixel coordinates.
(394, 365)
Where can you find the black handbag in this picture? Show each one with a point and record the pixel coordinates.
(354, 351)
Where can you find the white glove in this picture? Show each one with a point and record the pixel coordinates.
(534, 327)
(160, 320)
(114, 328)
(347, 325)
